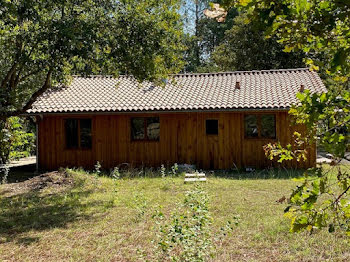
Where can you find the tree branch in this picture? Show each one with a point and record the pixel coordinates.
(31, 100)
(29, 74)
(8, 76)
(341, 195)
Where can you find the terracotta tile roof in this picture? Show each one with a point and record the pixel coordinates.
(268, 89)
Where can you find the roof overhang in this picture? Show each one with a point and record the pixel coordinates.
(161, 111)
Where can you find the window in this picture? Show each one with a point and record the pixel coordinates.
(260, 126)
(71, 126)
(78, 133)
(137, 128)
(211, 127)
(251, 126)
(152, 128)
(145, 128)
(85, 133)
(268, 126)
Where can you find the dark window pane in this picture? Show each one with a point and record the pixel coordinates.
(137, 128)
(251, 126)
(153, 128)
(71, 127)
(268, 126)
(211, 126)
(85, 133)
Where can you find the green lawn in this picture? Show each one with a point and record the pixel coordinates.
(80, 217)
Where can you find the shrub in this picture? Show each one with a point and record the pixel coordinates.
(188, 235)
(98, 168)
(140, 204)
(115, 174)
(16, 139)
(322, 199)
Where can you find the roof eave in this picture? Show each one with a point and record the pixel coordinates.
(284, 109)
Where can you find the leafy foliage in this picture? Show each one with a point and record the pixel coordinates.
(208, 34)
(98, 168)
(44, 42)
(321, 200)
(16, 140)
(188, 236)
(310, 210)
(234, 44)
(115, 174)
(321, 30)
(245, 47)
(141, 205)
(168, 176)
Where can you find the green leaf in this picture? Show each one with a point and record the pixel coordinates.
(288, 49)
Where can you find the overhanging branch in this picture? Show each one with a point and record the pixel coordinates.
(31, 100)
(8, 75)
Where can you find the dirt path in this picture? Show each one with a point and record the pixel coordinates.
(31, 160)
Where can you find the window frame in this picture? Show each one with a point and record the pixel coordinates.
(79, 147)
(145, 139)
(258, 123)
(212, 119)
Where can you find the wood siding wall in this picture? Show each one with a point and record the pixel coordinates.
(182, 140)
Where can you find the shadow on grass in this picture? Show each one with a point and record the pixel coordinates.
(272, 173)
(26, 241)
(21, 173)
(33, 211)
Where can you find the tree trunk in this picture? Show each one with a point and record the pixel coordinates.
(197, 51)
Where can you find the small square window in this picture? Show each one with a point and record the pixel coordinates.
(212, 126)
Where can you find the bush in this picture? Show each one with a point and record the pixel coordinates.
(188, 236)
(16, 139)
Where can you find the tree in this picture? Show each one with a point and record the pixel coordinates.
(206, 35)
(229, 43)
(245, 47)
(320, 28)
(44, 42)
(193, 12)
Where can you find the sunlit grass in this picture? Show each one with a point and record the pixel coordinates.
(100, 219)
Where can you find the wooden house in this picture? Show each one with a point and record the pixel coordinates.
(212, 120)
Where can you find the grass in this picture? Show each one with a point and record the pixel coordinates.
(80, 217)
